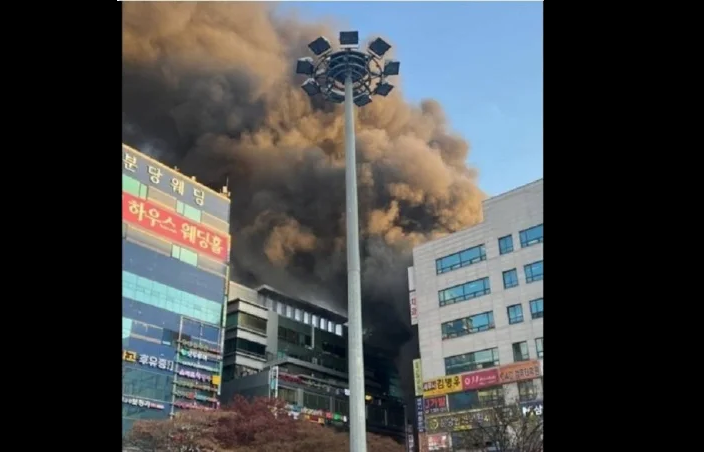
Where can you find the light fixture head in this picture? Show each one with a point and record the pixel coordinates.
(305, 66)
(379, 47)
(391, 67)
(383, 89)
(320, 46)
(311, 87)
(362, 100)
(349, 39)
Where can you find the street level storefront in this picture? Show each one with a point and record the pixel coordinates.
(456, 403)
(317, 416)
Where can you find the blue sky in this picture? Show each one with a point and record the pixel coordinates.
(482, 60)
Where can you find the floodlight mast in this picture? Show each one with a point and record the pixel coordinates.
(353, 77)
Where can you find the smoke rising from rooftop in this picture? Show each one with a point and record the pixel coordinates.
(210, 87)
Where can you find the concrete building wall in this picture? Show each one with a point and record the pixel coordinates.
(505, 214)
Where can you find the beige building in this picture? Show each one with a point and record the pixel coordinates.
(477, 298)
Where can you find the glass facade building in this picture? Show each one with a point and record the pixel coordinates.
(175, 245)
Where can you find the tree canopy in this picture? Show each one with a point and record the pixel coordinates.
(257, 425)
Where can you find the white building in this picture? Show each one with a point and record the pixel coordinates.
(479, 303)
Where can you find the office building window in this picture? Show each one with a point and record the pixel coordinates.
(467, 362)
(250, 348)
(539, 346)
(306, 318)
(342, 407)
(527, 391)
(251, 322)
(289, 312)
(468, 325)
(531, 236)
(506, 244)
(288, 395)
(323, 324)
(281, 308)
(534, 272)
(515, 314)
(536, 308)
(316, 402)
(520, 351)
(298, 315)
(463, 292)
(338, 329)
(462, 259)
(331, 327)
(314, 320)
(510, 278)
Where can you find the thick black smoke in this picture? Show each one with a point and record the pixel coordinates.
(210, 88)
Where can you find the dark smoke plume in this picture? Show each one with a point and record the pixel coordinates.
(210, 88)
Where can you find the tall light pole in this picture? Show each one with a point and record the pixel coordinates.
(352, 77)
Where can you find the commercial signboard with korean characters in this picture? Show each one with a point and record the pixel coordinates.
(155, 174)
(418, 377)
(480, 379)
(420, 415)
(175, 228)
(524, 370)
(442, 385)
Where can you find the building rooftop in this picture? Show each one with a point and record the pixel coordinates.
(311, 307)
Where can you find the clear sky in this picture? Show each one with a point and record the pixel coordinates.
(482, 60)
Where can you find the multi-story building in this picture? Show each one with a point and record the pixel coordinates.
(281, 346)
(477, 298)
(175, 244)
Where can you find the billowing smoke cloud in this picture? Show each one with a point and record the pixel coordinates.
(210, 87)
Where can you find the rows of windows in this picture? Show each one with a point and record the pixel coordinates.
(527, 391)
(461, 259)
(484, 359)
(165, 297)
(246, 321)
(245, 346)
(294, 337)
(481, 398)
(305, 317)
(479, 287)
(515, 311)
(528, 237)
(468, 325)
(468, 362)
(233, 371)
(463, 292)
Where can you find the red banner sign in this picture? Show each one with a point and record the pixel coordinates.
(480, 379)
(174, 228)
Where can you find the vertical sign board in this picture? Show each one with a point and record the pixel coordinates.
(418, 377)
(412, 296)
(420, 415)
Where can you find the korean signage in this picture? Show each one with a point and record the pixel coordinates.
(443, 385)
(142, 403)
(174, 228)
(480, 379)
(193, 406)
(457, 422)
(434, 405)
(150, 172)
(414, 307)
(420, 417)
(147, 360)
(524, 370)
(438, 442)
(532, 408)
(418, 377)
(411, 443)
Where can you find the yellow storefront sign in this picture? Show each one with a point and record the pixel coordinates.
(418, 377)
(442, 385)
